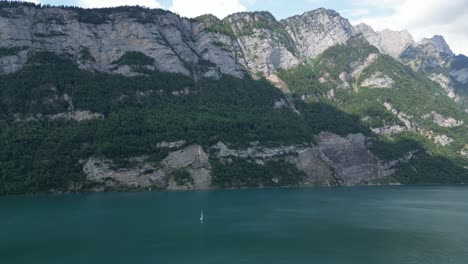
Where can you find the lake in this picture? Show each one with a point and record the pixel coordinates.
(362, 225)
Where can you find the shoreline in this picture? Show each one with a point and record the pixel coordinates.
(230, 189)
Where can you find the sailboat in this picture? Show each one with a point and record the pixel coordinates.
(201, 216)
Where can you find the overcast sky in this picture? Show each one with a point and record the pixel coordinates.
(422, 18)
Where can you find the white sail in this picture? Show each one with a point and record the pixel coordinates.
(201, 215)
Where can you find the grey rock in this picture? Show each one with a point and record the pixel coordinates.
(445, 121)
(428, 54)
(334, 161)
(446, 84)
(193, 156)
(196, 161)
(464, 151)
(435, 44)
(317, 170)
(77, 116)
(405, 118)
(171, 145)
(280, 104)
(389, 130)
(11, 64)
(460, 75)
(143, 176)
(147, 174)
(351, 159)
(443, 140)
(223, 151)
(315, 31)
(390, 42)
(357, 67)
(440, 139)
(378, 80)
(173, 42)
(265, 48)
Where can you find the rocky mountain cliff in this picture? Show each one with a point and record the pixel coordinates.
(393, 43)
(131, 97)
(254, 43)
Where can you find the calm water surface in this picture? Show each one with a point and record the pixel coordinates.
(417, 225)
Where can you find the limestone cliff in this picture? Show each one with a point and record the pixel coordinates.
(333, 161)
(390, 42)
(174, 43)
(265, 44)
(205, 46)
(314, 32)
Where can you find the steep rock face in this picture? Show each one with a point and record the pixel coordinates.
(13, 63)
(59, 31)
(218, 47)
(306, 158)
(351, 159)
(146, 174)
(196, 161)
(264, 43)
(428, 54)
(314, 32)
(333, 161)
(435, 44)
(390, 42)
(317, 170)
(104, 173)
(175, 43)
(460, 75)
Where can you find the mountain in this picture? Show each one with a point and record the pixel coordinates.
(393, 43)
(434, 58)
(131, 98)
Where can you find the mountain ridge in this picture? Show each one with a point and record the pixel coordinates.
(296, 40)
(132, 98)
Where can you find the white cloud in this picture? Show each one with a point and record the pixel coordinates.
(219, 8)
(355, 12)
(114, 3)
(422, 19)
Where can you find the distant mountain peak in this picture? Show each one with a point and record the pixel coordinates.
(322, 10)
(256, 15)
(363, 28)
(317, 30)
(437, 43)
(390, 42)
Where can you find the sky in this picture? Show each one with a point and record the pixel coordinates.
(422, 18)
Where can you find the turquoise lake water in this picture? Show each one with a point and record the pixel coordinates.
(309, 225)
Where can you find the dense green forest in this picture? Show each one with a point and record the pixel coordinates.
(246, 173)
(138, 113)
